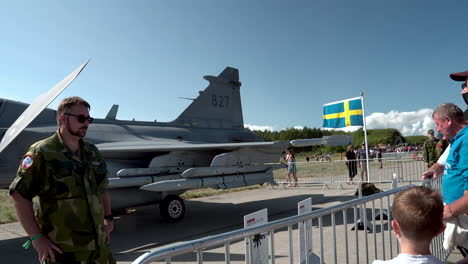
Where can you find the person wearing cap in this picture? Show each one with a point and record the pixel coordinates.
(462, 77)
(429, 149)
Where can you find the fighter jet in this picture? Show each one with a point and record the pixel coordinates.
(207, 146)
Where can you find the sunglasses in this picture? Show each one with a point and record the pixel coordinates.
(463, 85)
(81, 118)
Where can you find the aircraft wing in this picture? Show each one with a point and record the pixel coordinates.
(143, 148)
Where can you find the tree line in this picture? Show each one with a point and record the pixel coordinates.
(375, 137)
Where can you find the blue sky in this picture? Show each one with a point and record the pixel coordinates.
(293, 56)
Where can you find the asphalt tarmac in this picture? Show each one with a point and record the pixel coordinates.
(143, 230)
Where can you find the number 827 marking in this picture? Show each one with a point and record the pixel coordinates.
(219, 101)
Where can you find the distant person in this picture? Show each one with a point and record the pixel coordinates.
(291, 162)
(72, 219)
(417, 219)
(379, 158)
(362, 155)
(307, 158)
(429, 150)
(351, 163)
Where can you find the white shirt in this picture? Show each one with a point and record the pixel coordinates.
(444, 156)
(406, 258)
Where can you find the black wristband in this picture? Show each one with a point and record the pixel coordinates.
(109, 217)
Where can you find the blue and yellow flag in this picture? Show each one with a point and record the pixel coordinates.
(343, 113)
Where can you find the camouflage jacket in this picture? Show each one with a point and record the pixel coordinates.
(441, 146)
(429, 152)
(70, 208)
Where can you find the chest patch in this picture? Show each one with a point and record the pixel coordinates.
(27, 162)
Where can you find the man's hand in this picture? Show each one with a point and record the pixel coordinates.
(434, 170)
(108, 226)
(429, 175)
(46, 248)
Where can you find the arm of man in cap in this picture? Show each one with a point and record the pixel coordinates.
(24, 210)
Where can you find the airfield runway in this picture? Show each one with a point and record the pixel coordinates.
(143, 230)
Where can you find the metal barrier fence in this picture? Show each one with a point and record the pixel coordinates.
(407, 169)
(356, 231)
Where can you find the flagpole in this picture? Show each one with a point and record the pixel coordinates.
(365, 137)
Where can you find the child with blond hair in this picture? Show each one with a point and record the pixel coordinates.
(417, 218)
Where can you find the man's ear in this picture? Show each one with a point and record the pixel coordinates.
(62, 119)
(396, 228)
(449, 120)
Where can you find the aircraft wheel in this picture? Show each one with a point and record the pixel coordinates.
(172, 208)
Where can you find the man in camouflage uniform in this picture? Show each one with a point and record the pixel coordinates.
(442, 145)
(429, 150)
(68, 175)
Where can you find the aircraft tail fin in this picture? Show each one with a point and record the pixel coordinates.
(218, 106)
(112, 114)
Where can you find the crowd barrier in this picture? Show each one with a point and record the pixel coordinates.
(407, 169)
(356, 231)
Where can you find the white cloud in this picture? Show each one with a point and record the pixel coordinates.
(255, 127)
(408, 123)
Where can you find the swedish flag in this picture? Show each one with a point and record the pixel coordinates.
(343, 113)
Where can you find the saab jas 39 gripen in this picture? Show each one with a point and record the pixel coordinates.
(207, 146)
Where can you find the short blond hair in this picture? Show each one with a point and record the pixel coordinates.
(418, 211)
(66, 105)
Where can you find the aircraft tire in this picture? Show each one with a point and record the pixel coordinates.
(172, 208)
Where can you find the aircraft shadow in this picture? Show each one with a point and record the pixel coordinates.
(144, 229)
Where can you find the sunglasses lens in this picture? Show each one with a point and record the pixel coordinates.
(463, 85)
(82, 119)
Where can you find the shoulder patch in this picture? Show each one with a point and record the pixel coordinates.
(27, 162)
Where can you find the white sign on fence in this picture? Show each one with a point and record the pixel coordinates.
(305, 234)
(257, 251)
(305, 230)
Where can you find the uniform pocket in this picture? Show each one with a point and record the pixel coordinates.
(65, 188)
(98, 174)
